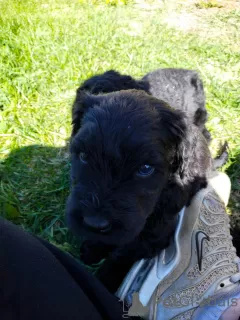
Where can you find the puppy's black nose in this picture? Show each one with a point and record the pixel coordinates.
(97, 224)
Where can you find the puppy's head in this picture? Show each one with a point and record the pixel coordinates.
(111, 81)
(123, 150)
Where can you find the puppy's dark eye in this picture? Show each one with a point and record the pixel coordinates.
(145, 170)
(83, 157)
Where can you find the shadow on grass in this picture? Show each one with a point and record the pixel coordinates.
(33, 191)
(34, 185)
(233, 171)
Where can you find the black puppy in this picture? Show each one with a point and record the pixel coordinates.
(136, 163)
(183, 90)
(180, 88)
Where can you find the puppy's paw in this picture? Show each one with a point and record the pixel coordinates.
(92, 252)
(223, 154)
(108, 276)
(112, 272)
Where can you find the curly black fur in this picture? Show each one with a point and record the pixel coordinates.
(180, 88)
(119, 132)
(111, 81)
(183, 90)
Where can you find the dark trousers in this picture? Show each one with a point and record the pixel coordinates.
(39, 281)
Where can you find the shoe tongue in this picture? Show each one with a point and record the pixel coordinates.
(236, 277)
(169, 252)
(222, 186)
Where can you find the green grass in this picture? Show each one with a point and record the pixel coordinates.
(49, 47)
(204, 4)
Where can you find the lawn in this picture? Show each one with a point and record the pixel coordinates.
(48, 47)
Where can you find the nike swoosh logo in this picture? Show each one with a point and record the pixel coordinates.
(200, 236)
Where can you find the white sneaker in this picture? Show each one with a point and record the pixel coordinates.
(198, 276)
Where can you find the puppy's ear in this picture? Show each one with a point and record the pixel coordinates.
(83, 102)
(183, 143)
(174, 135)
(174, 124)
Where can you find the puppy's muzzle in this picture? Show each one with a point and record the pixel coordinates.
(97, 224)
